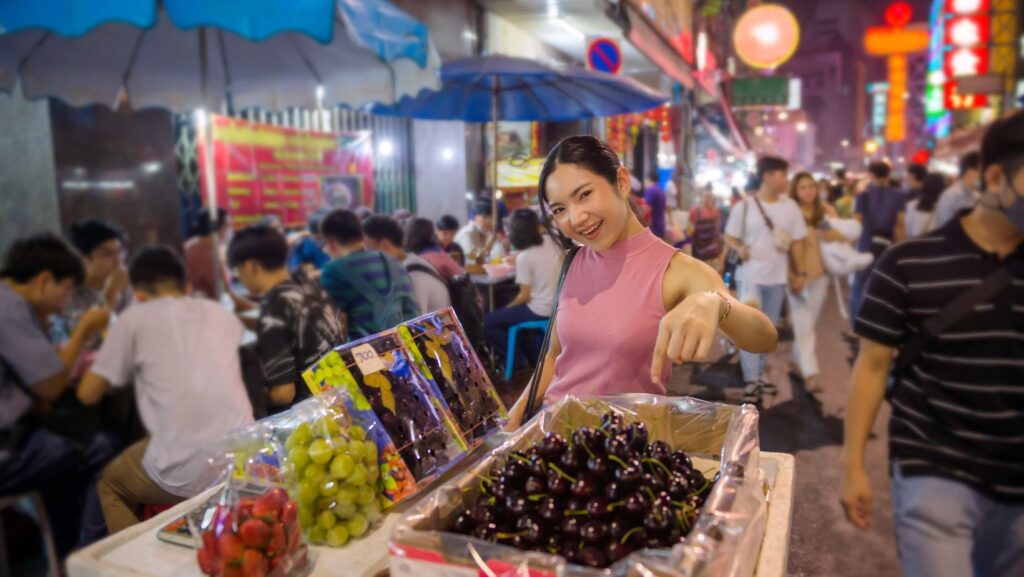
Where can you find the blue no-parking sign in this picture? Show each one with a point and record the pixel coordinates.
(604, 55)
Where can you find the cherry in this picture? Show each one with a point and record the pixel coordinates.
(592, 557)
(550, 510)
(535, 485)
(593, 530)
(517, 503)
(584, 486)
(464, 523)
(486, 532)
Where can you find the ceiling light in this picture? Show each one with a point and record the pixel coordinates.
(386, 148)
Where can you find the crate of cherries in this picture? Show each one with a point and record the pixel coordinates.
(593, 498)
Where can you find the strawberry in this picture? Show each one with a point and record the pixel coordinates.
(278, 541)
(279, 495)
(254, 533)
(230, 547)
(254, 564)
(289, 513)
(225, 569)
(267, 508)
(294, 537)
(207, 560)
(210, 542)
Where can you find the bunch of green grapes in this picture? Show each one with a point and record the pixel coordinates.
(337, 473)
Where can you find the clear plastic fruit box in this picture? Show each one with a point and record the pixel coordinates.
(382, 375)
(725, 539)
(445, 355)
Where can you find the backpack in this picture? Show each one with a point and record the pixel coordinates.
(466, 301)
(389, 309)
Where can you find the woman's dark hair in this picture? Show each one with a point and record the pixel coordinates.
(420, 236)
(818, 212)
(931, 190)
(42, 252)
(154, 266)
(524, 229)
(447, 222)
(313, 223)
(90, 233)
(261, 243)
(584, 151)
(342, 226)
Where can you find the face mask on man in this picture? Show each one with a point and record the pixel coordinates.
(1015, 210)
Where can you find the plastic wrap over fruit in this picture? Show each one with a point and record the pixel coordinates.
(250, 530)
(335, 460)
(445, 355)
(383, 378)
(721, 521)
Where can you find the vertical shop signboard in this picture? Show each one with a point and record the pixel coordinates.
(264, 170)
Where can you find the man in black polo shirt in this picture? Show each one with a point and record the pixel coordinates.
(956, 436)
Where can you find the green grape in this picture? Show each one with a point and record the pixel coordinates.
(365, 495)
(340, 445)
(358, 477)
(383, 503)
(342, 466)
(347, 494)
(345, 510)
(299, 458)
(372, 473)
(299, 437)
(370, 453)
(315, 473)
(358, 525)
(337, 536)
(327, 427)
(326, 520)
(306, 516)
(308, 491)
(329, 487)
(357, 451)
(356, 433)
(316, 535)
(320, 452)
(371, 512)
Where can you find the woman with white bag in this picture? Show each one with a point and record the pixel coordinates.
(805, 304)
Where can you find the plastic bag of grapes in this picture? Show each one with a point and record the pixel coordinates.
(440, 345)
(625, 485)
(380, 373)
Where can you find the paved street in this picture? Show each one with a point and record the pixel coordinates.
(822, 543)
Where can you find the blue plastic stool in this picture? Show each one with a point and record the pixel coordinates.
(513, 334)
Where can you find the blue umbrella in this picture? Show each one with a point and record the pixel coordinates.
(491, 88)
(184, 54)
(504, 88)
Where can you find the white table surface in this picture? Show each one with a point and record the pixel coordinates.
(136, 552)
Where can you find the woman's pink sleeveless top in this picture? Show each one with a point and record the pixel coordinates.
(607, 319)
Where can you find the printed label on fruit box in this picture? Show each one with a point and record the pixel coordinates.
(415, 562)
(367, 359)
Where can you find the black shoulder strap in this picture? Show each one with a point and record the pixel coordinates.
(531, 399)
(764, 214)
(956, 310)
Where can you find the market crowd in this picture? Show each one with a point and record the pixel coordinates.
(927, 269)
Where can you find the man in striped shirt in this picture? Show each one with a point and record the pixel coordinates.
(370, 287)
(956, 436)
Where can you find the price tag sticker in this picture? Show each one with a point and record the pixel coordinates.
(367, 359)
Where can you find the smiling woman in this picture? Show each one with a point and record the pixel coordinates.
(629, 302)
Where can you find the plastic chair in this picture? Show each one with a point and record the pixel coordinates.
(513, 336)
(42, 521)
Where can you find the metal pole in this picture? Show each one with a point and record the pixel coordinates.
(494, 153)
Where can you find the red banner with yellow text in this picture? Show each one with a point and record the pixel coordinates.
(264, 170)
